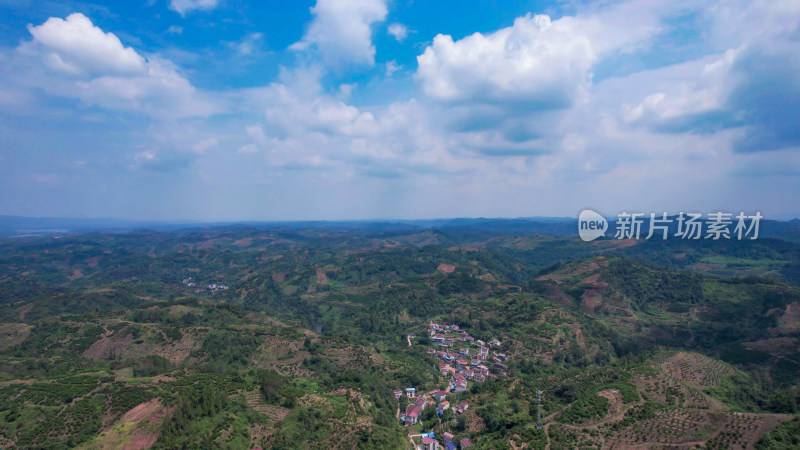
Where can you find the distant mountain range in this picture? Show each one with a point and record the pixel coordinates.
(18, 226)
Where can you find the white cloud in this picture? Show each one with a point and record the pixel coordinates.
(249, 44)
(398, 31)
(542, 62)
(144, 156)
(184, 6)
(162, 93)
(742, 20)
(75, 46)
(751, 89)
(94, 67)
(346, 90)
(175, 29)
(204, 145)
(536, 60)
(342, 30)
(700, 92)
(512, 114)
(392, 67)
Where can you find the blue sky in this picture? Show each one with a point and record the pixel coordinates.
(374, 109)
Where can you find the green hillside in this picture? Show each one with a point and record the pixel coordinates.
(245, 338)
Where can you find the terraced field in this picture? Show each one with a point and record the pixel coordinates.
(696, 369)
(675, 411)
(691, 427)
(663, 388)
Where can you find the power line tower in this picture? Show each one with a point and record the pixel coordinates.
(539, 412)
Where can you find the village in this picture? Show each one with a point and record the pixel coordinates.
(461, 359)
(213, 287)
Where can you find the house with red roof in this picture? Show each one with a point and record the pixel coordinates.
(412, 415)
(429, 443)
(459, 383)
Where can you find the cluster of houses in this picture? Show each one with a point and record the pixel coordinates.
(429, 442)
(463, 358)
(437, 399)
(213, 287)
(465, 363)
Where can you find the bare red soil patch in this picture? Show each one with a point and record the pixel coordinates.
(141, 411)
(93, 261)
(279, 277)
(321, 278)
(25, 310)
(245, 242)
(446, 268)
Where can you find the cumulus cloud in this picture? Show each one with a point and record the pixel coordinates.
(185, 6)
(766, 93)
(161, 92)
(298, 104)
(75, 46)
(692, 99)
(538, 61)
(752, 88)
(305, 128)
(249, 44)
(392, 67)
(508, 114)
(93, 66)
(342, 30)
(398, 31)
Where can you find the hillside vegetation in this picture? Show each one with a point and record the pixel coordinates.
(296, 338)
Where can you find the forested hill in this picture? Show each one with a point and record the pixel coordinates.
(296, 337)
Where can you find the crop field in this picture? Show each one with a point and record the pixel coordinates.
(665, 389)
(692, 427)
(696, 369)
